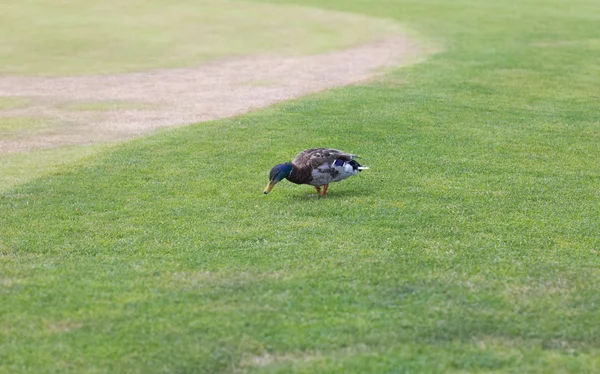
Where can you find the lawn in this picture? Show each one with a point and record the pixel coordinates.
(78, 37)
(471, 245)
(74, 37)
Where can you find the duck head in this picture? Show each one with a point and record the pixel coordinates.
(277, 174)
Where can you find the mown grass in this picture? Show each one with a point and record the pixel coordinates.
(7, 103)
(76, 37)
(20, 126)
(19, 168)
(82, 37)
(470, 246)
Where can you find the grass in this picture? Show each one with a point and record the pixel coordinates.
(20, 126)
(82, 37)
(19, 168)
(470, 246)
(9, 102)
(79, 37)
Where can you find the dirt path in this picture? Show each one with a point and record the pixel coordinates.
(172, 97)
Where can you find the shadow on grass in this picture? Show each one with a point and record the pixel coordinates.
(333, 194)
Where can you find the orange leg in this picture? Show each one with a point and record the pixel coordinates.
(324, 190)
(318, 190)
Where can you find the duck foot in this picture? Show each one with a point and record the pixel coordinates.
(324, 190)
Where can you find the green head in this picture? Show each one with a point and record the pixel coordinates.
(277, 174)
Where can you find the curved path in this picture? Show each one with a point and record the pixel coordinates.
(145, 101)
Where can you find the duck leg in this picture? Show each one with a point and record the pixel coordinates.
(324, 190)
(318, 190)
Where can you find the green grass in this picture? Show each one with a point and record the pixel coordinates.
(19, 168)
(77, 37)
(20, 126)
(9, 102)
(82, 37)
(470, 246)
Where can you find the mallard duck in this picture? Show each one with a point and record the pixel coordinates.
(317, 167)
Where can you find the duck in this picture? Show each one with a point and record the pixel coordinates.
(316, 166)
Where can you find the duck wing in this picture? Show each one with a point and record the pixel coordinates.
(315, 157)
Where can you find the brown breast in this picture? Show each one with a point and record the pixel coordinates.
(300, 175)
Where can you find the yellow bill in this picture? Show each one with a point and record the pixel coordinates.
(269, 187)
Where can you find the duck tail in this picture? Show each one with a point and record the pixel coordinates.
(356, 166)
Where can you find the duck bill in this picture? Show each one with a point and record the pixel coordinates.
(269, 187)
